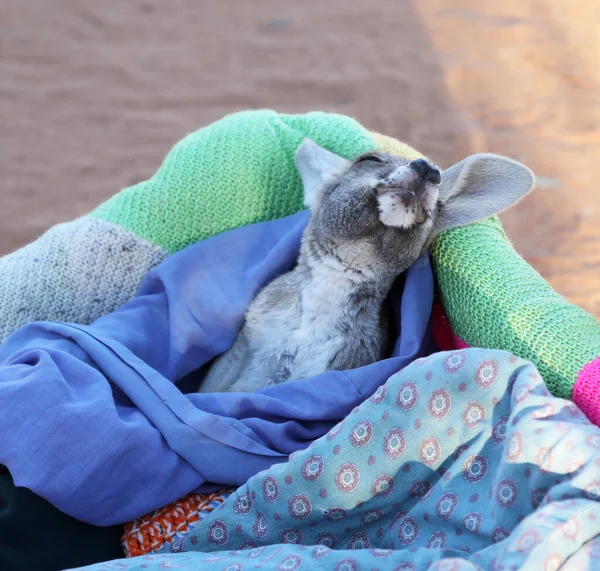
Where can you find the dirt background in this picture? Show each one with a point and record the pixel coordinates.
(93, 94)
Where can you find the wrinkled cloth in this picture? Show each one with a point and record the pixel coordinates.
(99, 419)
(461, 461)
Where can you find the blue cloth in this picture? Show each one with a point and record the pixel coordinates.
(96, 418)
(462, 461)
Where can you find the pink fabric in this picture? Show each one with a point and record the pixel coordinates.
(459, 343)
(586, 392)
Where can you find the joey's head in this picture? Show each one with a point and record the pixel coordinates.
(380, 212)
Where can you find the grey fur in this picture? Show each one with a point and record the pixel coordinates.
(371, 219)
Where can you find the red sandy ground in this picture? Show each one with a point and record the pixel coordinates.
(93, 94)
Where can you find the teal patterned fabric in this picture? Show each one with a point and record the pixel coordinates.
(461, 461)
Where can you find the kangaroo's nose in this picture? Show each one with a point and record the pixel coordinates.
(427, 171)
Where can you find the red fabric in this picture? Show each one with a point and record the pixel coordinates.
(444, 337)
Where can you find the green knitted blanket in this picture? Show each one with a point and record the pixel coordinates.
(240, 170)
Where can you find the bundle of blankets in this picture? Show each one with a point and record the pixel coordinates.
(455, 459)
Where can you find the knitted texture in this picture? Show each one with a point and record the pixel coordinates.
(234, 172)
(395, 147)
(494, 299)
(74, 272)
(241, 170)
(166, 525)
(237, 171)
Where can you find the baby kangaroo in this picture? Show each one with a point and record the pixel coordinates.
(370, 220)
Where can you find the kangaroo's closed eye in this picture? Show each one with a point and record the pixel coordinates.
(368, 158)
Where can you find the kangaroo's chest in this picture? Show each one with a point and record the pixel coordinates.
(303, 336)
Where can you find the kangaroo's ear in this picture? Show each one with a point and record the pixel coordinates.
(480, 186)
(317, 166)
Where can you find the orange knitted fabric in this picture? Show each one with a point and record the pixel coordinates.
(150, 532)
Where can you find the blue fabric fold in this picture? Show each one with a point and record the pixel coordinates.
(102, 420)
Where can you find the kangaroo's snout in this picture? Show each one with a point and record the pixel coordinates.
(427, 171)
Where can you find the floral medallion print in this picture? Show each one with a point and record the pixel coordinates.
(487, 373)
(475, 468)
(299, 506)
(242, 504)
(446, 505)
(499, 430)
(320, 550)
(218, 533)
(455, 362)
(441, 468)
(327, 539)
(527, 541)
(270, 489)
(312, 468)
(359, 540)
(408, 531)
(472, 521)
(290, 563)
(440, 404)
(334, 514)
(371, 516)
(437, 540)
(347, 477)
(473, 414)
(499, 533)
(407, 396)
(521, 393)
(347, 564)
(507, 493)
(294, 536)
(379, 395)
(515, 447)
(430, 451)
(361, 434)
(394, 443)
(383, 486)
